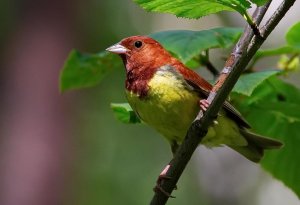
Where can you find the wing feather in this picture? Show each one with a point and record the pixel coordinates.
(203, 87)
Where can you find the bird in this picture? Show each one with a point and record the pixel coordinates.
(167, 96)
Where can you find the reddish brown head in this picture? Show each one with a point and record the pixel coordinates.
(142, 56)
(141, 51)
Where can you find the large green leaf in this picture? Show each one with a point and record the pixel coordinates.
(248, 82)
(274, 119)
(124, 113)
(193, 8)
(85, 70)
(275, 112)
(293, 36)
(183, 8)
(188, 44)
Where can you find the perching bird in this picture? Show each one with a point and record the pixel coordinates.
(167, 96)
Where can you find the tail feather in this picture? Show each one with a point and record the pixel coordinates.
(254, 151)
(262, 141)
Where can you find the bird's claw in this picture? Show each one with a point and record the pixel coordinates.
(204, 104)
(159, 181)
(158, 188)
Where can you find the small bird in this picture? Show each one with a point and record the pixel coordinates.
(167, 96)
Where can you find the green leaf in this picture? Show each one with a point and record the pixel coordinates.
(240, 6)
(187, 44)
(86, 70)
(285, 110)
(293, 36)
(274, 89)
(274, 110)
(183, 8)
(282, 121)
(193, 63)
(124, 113)
(193, 8)
(248, 82)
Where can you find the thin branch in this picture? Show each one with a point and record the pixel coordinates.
(204, 60)
(236, 62)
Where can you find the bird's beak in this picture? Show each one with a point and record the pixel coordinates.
(117, 48)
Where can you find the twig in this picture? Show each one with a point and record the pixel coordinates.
(204, 60)
(237, 62)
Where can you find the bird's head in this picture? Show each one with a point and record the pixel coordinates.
(141, 51)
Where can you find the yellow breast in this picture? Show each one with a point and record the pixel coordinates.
(170, 106)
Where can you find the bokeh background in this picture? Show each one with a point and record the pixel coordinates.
(68, 148)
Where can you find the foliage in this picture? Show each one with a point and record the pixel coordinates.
(248, 82)
(292, 36)
(274, 110)
(195, 8)
(185, 8)
(85, 70)
(124, 113)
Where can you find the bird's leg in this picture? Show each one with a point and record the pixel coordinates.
(162, 176)
(204, 103)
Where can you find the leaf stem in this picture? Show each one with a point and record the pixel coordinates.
(204, 60)
(252, 24)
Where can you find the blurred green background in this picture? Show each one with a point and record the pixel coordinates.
(68, 148)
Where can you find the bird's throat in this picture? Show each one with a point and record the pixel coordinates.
(137, 79)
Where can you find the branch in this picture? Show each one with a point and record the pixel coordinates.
(237, 61)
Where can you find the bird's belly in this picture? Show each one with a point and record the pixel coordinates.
(170, 107)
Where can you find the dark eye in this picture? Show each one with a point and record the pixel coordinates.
(138, 44)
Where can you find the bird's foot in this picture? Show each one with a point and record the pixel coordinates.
(162, 176)
(204, 104)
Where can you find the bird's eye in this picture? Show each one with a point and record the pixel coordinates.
(138, 44)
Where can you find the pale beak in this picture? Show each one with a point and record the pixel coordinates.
(117, 48)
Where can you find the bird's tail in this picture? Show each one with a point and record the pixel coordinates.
(254, 151)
